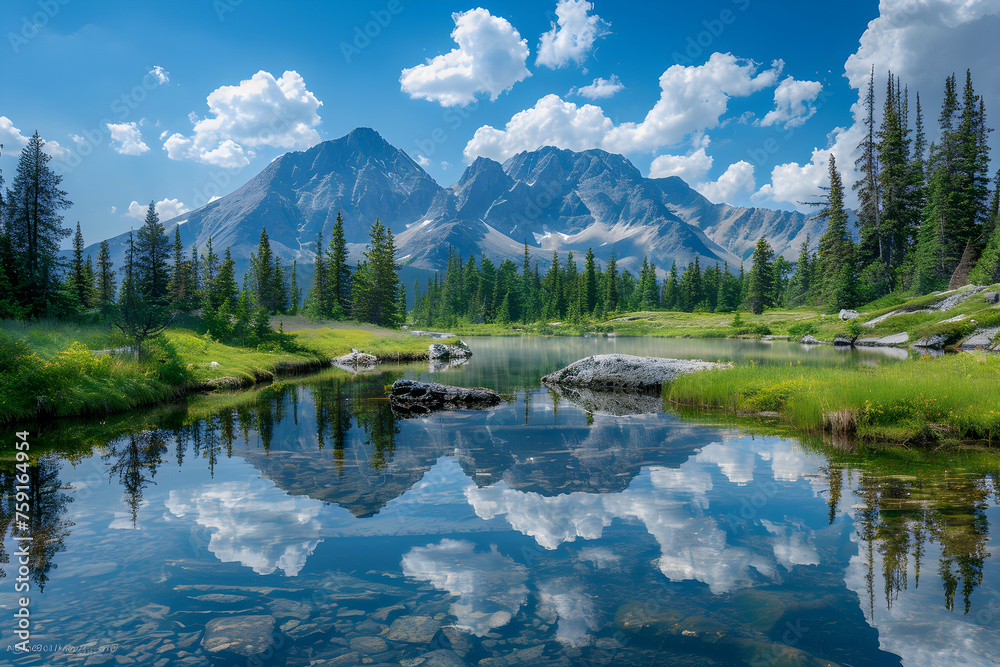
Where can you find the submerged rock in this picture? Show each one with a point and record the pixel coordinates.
(413, 397)
(355, 361)
(439, 351)
(243, 635)
(623, 371)
(413, 629)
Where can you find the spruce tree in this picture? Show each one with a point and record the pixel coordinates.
(106, 284)
(760, 287)
(152, 277)
(611, 285)
(194, 286)
(178, 273)
(137, 316)
(33, 223)
(869, 207)
(836, 249)
(77, 280)
(338, 270)
(90, 280)
(262, 269)
(588, 287)
(376, 286)
(670, 300)
(294, 291)
(799, 285)
(730, 292)
(316, 303)
(223, 290)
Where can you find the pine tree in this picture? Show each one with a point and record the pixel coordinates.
(730, 292)
(588, 288)
(799, 285)
(316, 302)
(376, 285)
(649, 293)
(294, 291)
(611, 285)
(90, 281)
(869, 207)
(470, 278)
(194, 286)
(761, 284)
(106, 285)
(178, 274)
(152, 249)
(33, 223)
(77, 281)
(670, 300)
(210, 266)
(262, 270)
(338, 270)
(894, 181)
(836, 250)
(137, 316)
(224, 291)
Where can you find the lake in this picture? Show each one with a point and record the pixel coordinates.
(307, 524)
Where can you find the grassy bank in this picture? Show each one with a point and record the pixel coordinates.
(954, 397)
(50, 369)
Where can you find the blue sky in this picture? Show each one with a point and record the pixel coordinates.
(183, 101)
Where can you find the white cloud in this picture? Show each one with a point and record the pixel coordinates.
(737, 180)
(10, 136)
(791, 103)
(490, 586)
(601, 88)
(126, 138)
(165, 208)
(691, 167)
(160, 74)
(423, 161)
(922, 42)
(260, 111)
(573, 37)
(571, 609)
(490, 58)
(692, 99)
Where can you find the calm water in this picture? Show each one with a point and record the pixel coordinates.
(537, 533)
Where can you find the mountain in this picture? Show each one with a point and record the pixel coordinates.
(553, 199)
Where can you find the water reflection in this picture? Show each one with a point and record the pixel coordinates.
(552, 523)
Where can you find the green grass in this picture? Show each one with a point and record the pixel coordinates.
(956, 397)
(47, 368)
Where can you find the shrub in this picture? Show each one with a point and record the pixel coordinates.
(802, 329)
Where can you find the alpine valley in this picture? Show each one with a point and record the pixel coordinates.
(551, 199)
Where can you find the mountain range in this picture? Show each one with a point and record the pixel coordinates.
(551, 199)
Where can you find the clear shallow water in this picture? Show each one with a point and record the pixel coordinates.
(535, 533)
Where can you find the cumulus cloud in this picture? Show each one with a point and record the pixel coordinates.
(126, 138)
(692, 99)
(572, 36)
(490, 58)
(261, 111)
(691, 167)
(160, 74)
(11, 136)
(601, 88)
(737, 180)
(792, 103)
(567, 605)
(922, 42)
(490, 586)
(423, 161)
(167, 209)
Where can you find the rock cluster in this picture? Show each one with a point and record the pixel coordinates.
(440, 351)
(355, 361)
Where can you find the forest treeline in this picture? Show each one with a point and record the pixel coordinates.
(927, 219)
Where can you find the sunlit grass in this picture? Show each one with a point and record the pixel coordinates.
(958, 395)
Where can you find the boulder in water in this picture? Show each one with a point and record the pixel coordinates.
(623, 371)
(413, 397)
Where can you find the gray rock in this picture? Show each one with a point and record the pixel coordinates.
(960, 296)
(369, 645)
(936, 342)
(881, 318)
(840, 341)
(812, 340)
(284, 608)
(355, 361)
(886, 341)
(439, 351)
(623, 371)
(980, 338)
(413, 629)
(437, 335)
(847, 314)
(413, 397)
(442, 658)
(992, 297)
(243, 635)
